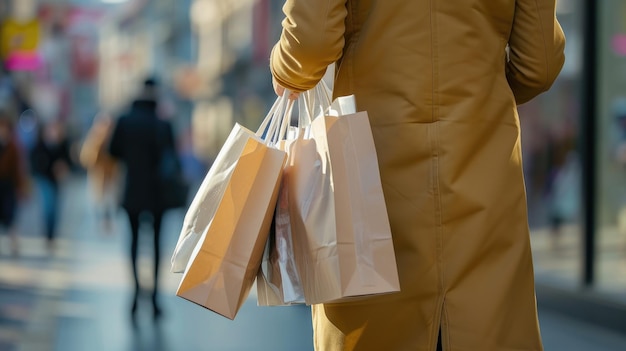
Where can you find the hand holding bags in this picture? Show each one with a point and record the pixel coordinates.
(341, 237)
(228, 221)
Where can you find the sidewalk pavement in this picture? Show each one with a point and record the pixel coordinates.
(79, 299)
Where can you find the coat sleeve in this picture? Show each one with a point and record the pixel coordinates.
(312, 38)
(536, 49)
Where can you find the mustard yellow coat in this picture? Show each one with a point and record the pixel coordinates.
(441, 89)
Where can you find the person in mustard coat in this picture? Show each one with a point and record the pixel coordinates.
(441, 81)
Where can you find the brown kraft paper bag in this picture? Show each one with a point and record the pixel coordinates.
(224, 262)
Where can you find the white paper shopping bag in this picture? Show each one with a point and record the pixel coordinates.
(234, 206)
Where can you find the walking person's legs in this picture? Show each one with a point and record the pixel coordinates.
(157, 220)
(49, 196)
(133, 218)
(8, 208)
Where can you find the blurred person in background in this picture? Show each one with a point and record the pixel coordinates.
(137, 141)
(564, 197)
(13, 177)
(563, 184)
(51, 163)
(102, 169)
(440, 81)
(619, 155)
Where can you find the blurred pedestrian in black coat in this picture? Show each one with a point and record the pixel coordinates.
(137, 141)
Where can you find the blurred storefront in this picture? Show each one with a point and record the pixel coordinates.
(611, 147)
(229, 80)
(74, 58)
(142, 38)
(49, 53)
(575, 160)
(550, 135)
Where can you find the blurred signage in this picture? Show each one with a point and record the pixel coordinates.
(618, 44)
(618, 40)
(19, 44)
